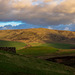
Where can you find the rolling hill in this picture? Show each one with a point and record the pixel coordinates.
(13, 64)
(33, 60)
(38, 35)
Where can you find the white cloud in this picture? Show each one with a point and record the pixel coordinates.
(4, 28)
(49, 27)
(66, 28)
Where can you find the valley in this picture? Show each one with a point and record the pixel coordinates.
(37, 53)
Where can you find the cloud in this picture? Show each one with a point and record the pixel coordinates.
(47, 0)
(21, 4)
(49, 27)
(21, 26)
(67, 28)
(67, 6)
(45, 12)
(70, 27)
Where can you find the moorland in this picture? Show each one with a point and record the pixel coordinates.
(33, 49)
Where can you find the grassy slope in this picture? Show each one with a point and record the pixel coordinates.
(38, 35)
(49, 50)
(18, 45)
(55, 45)
(37, 51)
(18, 65)
(42, 49)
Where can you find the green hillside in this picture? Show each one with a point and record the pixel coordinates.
(37, 51)
(47, 50)
(18, 45)
(21, 65)
(55, 45)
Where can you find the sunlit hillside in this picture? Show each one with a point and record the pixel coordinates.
(38, 35)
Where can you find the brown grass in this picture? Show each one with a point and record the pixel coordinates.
(38, 35)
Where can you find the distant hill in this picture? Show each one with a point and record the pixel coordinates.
(38, 35)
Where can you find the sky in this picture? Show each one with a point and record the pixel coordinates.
(51, 14)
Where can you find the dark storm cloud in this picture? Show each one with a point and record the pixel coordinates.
(52, 13)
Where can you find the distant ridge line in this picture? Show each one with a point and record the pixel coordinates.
(38, 35)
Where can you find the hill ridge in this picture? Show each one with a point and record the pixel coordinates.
(38, 35)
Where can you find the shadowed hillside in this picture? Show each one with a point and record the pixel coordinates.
(39, 35)
(17, 45)
(13, 64)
